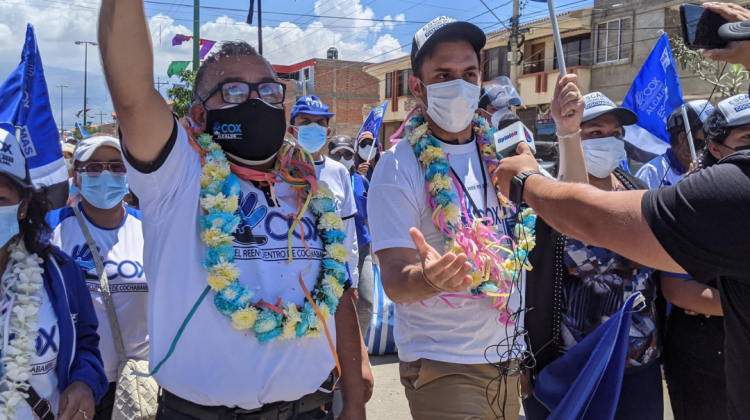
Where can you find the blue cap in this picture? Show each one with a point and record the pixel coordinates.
(311, 105)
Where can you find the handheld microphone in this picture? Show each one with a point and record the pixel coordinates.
(507, 138)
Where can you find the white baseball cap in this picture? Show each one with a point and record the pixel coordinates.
(597, 104)
(87, 147)
(736, 110)
(442, 27)
(12, 160)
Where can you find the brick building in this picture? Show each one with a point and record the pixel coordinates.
(342, 85)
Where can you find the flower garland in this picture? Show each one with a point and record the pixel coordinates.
(24, 286)
(220, 190)
(492, 276)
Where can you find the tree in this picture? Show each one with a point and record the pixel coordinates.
(728, 83)
(182, 94)
(91, 130)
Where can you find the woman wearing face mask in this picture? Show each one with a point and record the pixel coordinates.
(50, 361)
(341, 149)
(367, 148)
(590, 283)
(116, 230)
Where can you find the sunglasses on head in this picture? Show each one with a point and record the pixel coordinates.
(345, 154)
(95, 169)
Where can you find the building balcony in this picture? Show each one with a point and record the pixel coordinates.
(537, 88)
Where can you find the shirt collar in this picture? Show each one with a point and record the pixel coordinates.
(674, 163)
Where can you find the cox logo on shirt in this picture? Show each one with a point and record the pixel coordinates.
(227, 131)
(274, 224)
(126, 269)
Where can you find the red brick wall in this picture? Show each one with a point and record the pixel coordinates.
(353, 90)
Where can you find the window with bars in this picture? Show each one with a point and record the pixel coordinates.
(496, 63)
(388, 85)
(614, 40)
(577, 51)
(403, 82)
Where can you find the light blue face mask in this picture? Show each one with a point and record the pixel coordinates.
(8, 223)
(104, 191)
(312, 137)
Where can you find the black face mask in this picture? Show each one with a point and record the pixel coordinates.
(252, 130)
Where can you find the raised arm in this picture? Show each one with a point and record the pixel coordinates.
(567, 98)
(127, 56)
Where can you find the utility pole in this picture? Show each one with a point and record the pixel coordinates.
(260, 30)
(159, 84)
(196, 34)
(62, 127)
(85, 73)
(101, 118)
(514, 43)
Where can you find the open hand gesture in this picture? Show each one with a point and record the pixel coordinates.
(447, 273)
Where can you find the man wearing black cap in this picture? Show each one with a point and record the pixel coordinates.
(442, 350)
(671, 167)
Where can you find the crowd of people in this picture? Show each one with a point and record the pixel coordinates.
(230, 263)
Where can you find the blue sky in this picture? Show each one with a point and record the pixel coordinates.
(362, 30)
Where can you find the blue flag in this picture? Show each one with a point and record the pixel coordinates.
(25, 104)
(373, 123)
(654, 94)
(84, 134)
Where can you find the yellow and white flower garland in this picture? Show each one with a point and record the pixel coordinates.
(220, 190)
(24, 287)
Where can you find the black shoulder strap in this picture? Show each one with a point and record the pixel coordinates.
(630, 181)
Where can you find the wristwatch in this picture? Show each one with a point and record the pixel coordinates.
(516, 187)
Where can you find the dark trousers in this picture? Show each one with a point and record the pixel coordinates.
(641, 397)
(694, 367)
(105, 406)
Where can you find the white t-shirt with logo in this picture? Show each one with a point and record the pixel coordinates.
(43, 364)
(337, 177)
(398, 202)
(121, 250)
(213, 363)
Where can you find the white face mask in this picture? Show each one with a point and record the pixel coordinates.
(347, 163)
(364, 153)
(8, 223)
(451, 105)
(603, 155)
(498, 116)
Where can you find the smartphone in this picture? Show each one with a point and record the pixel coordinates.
(700, 28)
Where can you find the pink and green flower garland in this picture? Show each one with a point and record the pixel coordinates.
(493, 277)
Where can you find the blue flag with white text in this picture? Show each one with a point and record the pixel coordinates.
(654, 94)
(373, 123)
(25, 104)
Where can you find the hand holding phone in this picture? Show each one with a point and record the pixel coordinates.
(700, 27)
(737, 51)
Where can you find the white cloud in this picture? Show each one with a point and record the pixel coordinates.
(59, 24)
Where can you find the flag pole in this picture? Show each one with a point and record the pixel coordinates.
(689, 131)
(558, 43)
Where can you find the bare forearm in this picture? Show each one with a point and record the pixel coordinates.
(612, 220)
(349, 347)
(404, 282)
(692, 295)
(572, 160)
(351, 244)
(127, 57)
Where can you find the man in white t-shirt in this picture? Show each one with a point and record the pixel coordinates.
(116, 229)
(444, 351)
(206, 367)
(671, 167)
(308, 124)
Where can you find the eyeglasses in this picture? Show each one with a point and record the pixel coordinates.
(366, 142)
(345, 154)
(95, 169)
(239, 92)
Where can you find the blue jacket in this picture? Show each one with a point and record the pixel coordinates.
(361, 186)
(79, 358)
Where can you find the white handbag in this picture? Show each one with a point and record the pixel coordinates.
(136, 395)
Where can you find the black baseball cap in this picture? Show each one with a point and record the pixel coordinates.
(443, 27)
(737, 31)
(340, 141)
